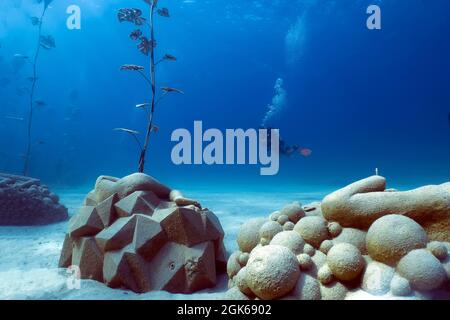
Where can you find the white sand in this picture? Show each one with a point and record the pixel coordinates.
(29, 255)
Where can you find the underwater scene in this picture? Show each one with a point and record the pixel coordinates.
(224, 150)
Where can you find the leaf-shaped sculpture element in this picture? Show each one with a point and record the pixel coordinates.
(46, 2)
(35, 21)
(164, 12)
(47, 42)
(40, 103)
(142, 105)
(169, 89)
(146, 45)
(133, 132)
(132, 15)
(131, 67)
(136, 34)
(169, 57)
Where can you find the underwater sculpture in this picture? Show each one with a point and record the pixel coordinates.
(138, 234)
(301, 253)
(147, 47)
(45, 42)
(361, 203)
(25, 201)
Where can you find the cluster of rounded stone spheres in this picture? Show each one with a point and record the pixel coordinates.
(350, 245)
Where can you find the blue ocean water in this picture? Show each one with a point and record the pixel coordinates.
(359, 99)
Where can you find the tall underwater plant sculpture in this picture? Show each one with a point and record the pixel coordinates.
(146, 46)
(44, 42)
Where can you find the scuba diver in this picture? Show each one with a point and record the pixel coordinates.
(286, 149)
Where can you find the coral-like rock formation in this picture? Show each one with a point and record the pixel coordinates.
(25, 201)
(137, 234)
(362, 238)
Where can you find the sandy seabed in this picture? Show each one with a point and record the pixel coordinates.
(29, 255)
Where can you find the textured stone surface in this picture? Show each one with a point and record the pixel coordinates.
(107, 211)
(125, 268)
(333, 291)
(25, 201)
(130, 238)
(293, 211)
(248, 235)
(269, 230)
(377, 278)
(149, 237)
(233, 264)
(65, 259)
(353, 236)
(307, 288)
(423, 270)
(182, 225)
(290, 240)
(139, 202)
(313, 230)
(400, 286)
(88, 257)
(438, 249)
(241, 282)
(354, 246)
(106, 186)
(361, 203)
(85, 223)
(272, 272)
(393, 236)
(118, 235)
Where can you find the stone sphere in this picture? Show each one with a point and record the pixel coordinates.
(240, 280)
(438, 249)
(269, 229)
(264, 242)
(422, 269)
(248, 235)
(243, 258)
(324, 275)
(393, 236)
(305, 261)
(353, 236)
(313, 230)
(400, 286)
(345, 261)
(290, 240)
(334, 229)
(272, 271)
(282, 219)
(325, 246)
(293, 211)
(333, 291)
(288, 226)
(309, 249)
(307, 288)
(274, 215)
(233, 265)
(377, 278)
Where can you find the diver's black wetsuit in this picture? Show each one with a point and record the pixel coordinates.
(284, 148)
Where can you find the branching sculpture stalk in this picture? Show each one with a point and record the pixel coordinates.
(146, 47)
(141, 167)
(32, 91)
